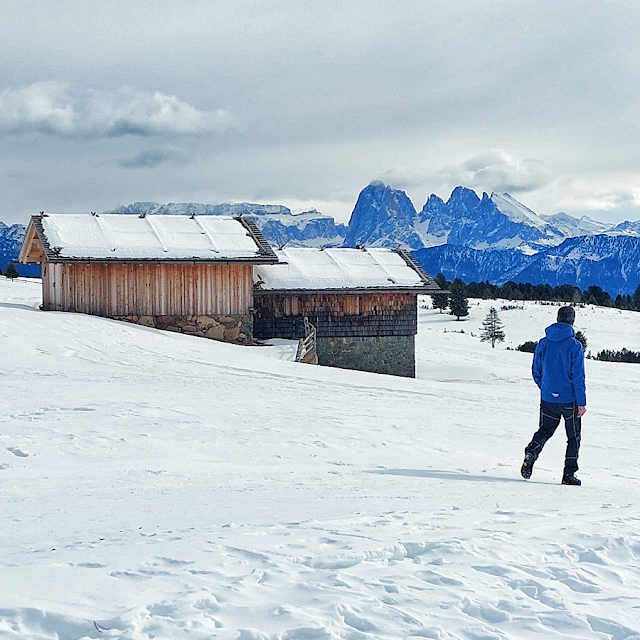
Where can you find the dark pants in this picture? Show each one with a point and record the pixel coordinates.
(550, 414)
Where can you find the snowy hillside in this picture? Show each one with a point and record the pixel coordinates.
(156, 485)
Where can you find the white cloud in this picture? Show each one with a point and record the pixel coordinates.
(57, 109)
(497, 171)
(594, 196)
(154, 158)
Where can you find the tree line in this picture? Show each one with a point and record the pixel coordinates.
(527, 291)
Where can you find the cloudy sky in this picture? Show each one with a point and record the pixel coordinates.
(304, 103)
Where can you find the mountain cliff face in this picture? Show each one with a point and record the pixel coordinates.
(383, 217)
(386, 217)
(278, 224)
(497, 221)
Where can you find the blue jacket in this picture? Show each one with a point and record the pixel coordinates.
(558, 366)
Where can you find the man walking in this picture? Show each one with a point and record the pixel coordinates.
(558, 369)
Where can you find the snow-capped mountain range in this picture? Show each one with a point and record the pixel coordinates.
(608, 261)
(496, 238)
(493, 237)
(386, 217)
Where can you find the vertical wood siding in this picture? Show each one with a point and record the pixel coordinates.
(148, 289)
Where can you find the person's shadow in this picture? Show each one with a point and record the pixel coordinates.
(439, 474)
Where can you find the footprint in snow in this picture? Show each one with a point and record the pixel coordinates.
(18, 452)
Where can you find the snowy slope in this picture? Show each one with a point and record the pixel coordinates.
(516, 211)
(156, 485)
(570, 226)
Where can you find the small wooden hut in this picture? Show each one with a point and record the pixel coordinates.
(190, 274)
(363, 303)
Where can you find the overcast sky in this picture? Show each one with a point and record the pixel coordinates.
(304, 103)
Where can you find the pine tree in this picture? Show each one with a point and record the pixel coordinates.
(11, 271)
(458, 302)
(442, 282)
(582, 339)
(440, 300)
(492, 328)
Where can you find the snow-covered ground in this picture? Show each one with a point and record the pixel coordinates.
(155, 485)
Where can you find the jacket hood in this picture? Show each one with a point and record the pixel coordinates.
(559, 331)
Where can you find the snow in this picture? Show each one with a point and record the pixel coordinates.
(121, 236)
(516, 211)
(156, 485)
(305, 268)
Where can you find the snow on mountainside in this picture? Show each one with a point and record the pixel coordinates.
(516, 211)
(497, 221)
(278, 224)
(571, 227)
(610, 262)
(626, 228)
(473, 265)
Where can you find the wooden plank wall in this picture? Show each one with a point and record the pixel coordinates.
(141, 289)
(335, 314)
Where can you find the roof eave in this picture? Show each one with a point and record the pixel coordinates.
(249, 260)
(416, 290)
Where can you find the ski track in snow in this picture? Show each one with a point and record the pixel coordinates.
(161, 486)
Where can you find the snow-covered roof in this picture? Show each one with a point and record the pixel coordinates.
(151, 237)
(326, 269)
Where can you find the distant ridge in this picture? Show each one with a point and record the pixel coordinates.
(607, 261)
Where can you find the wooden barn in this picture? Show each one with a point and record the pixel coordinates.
(362, 302)
(190, 274)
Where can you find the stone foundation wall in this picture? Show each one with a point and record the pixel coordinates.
(393, 355)
(237, 329)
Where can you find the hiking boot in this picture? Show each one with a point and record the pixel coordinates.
(571, 479)
(527, 466)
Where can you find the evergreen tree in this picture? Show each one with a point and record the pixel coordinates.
(443, 283)
(11, 271)
(458, 302)
(440, 300)
(636, 298)
(582, 339)
(492, 328)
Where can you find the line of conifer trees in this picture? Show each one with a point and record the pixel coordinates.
(527, 291)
